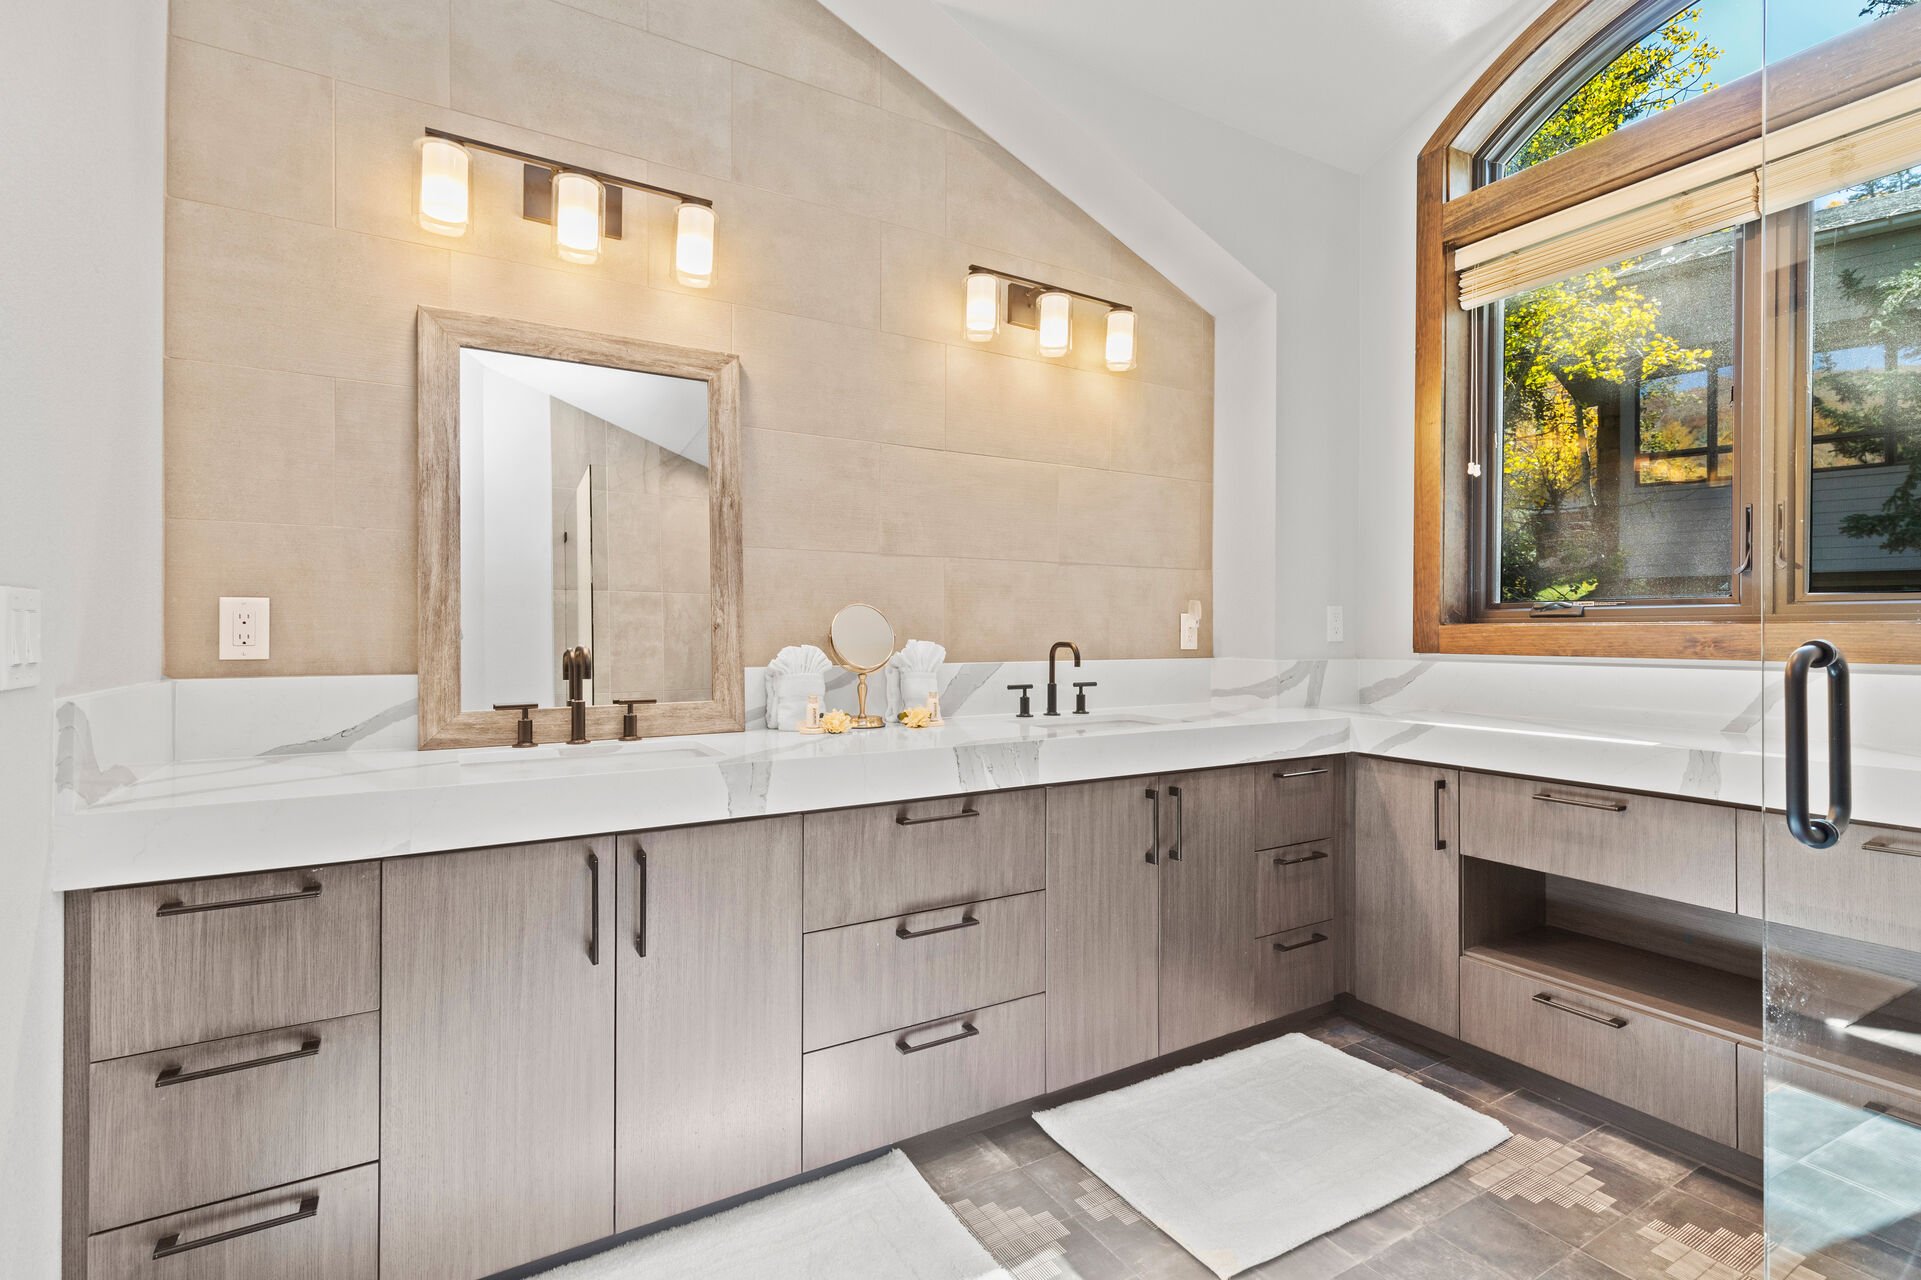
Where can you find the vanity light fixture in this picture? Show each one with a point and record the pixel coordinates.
(1048, 310)
(584, 205)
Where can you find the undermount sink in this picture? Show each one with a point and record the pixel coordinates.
(1095, 720)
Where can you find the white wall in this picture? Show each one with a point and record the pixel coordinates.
(82, 136)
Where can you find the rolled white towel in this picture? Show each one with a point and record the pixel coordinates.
(795, 672)
(913, 673)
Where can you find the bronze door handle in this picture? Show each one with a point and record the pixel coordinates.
(309, 1048)
(169, 1245)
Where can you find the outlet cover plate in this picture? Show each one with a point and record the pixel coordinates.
(244, 629)
(19, 637)
(1336, 624)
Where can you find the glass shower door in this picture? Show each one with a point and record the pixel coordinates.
(1831, 1099)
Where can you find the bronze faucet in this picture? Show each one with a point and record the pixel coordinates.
(1053, 688)
(576, 666)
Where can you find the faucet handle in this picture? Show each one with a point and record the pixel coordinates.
(1027, 706)
(1080, 695)
(630, 722)
(524, 727)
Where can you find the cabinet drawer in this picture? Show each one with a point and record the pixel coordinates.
(320, 1229)
(867, 978)
(1301, 801)
(888, 860)
(201, 960)
(1665, 848)
(1295, 970)
(181, 1127)
(1868, 886)
(879, 1090)
(1669, 1071)
(1293, 886)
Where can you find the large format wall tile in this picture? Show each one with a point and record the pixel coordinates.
(981, 495)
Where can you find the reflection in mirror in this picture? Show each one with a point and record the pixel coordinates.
(862, 637)
(584, 514)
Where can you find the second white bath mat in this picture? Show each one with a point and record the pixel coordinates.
(1246, 1156)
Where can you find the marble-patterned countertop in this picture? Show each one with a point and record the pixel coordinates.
(130, 824)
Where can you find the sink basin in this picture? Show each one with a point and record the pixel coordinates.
(1094, 720)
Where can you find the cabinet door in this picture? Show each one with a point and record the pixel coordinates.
(1407, 891)
(708, 1102)
(1210, 827)
(1103, 929)
(497, 1048)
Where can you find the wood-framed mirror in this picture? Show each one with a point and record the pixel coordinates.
(576, 489)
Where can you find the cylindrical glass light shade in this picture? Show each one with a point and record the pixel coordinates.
(1120, 340)
(442, 206)
(576, 217)
(694, 245)
(983, 305)
(1056, 323)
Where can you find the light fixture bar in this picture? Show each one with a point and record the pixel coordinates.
(1043, 287)
(559, 166)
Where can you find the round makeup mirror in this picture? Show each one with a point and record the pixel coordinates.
(863, 641)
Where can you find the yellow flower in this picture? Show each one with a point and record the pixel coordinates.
(836, 722)
(917, 717)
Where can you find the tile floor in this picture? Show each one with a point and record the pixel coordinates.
(1567, 1198)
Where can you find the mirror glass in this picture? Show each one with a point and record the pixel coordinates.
(862, 637)
(584, 520)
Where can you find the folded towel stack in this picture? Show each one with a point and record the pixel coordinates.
(795, 672)
(913, 673)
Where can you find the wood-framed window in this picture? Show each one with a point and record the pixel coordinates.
(1668, 368)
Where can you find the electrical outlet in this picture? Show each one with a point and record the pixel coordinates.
(1191, 625)
(19, 637)
(1336, 624)
(243, 628)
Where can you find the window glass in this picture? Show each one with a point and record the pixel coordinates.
(1863, 455)
(1616, 431)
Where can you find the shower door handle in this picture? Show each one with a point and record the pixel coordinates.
(1818, 832)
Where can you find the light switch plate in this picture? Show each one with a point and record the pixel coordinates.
(19, 637)
(244, 628)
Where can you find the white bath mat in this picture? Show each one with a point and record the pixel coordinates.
(876, 1221)
(1246, 1156)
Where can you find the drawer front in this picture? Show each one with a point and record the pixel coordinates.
(867, 978)
(181, 1127)
(1293, 886)
(201, 960)
(888, 860)
(1302, 801)
(885, 1088)
(1667, 1070)
(1296, 969)
(320, 1229)
(1868, 886)
(1666, 848)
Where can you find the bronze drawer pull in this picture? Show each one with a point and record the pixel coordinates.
(170, 1245)
(189, 908)
(1154, 829)
(1316, 856)
(1605, 1020)
(640, 912)
(1886, 844)
(1180, 824)
(968, 1031)
(309, 1048)
(967, 921)
(1302, 773)
(1296, 946)
(593, 899)
(970, 811)
(1896, 1114)
(1611, 806)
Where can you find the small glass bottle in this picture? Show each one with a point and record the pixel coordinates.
(933, 709)
(812, 723)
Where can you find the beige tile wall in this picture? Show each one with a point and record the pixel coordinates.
(981, 496)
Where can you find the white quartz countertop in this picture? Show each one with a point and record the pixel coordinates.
(209, 817)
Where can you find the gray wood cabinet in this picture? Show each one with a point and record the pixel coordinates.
(497, 1049)
(1103, 929)
(1407, 891)
(1210, 826)
(708, 1042)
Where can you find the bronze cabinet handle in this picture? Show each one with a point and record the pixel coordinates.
(1581, 802)
(1154, 828)
(1886, 844)
(1296, 946)
(640, 912)
(1440, 790)
(1316, 856)
(1301, 773)
(902, 819)
(309, 1048)
(967, 1032)
(1896, 1114)
(1180, 824)
(1606, 1020)
(169, 1245)
(967, 921)
(189, 908)
(593, 937)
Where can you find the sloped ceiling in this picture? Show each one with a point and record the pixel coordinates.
(1336, 80)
